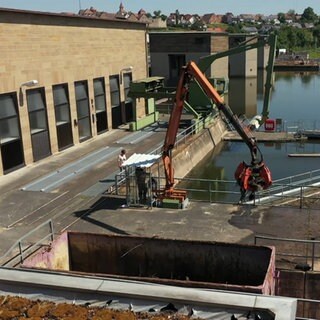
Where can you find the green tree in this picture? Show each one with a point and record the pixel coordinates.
(316, 35)
(177, 17)
(281, 17)
(163, 17)
(199, 25)
(309, 15)
(236, 28)
(157, 14)
(304, 38)
(291, 14)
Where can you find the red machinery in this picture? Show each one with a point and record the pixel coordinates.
(251, 177)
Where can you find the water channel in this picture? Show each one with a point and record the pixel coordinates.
(295, 100)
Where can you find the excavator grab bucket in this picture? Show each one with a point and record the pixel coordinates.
(253, 177)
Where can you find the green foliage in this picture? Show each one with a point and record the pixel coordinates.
(236, 28)
(309, 15)
(290, 38)
(157, 14)
(281, 17)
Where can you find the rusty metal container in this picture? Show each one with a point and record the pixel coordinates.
(200, 264)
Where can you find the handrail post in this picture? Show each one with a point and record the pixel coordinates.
(20, 251)
(313, 252)
(51, 230)
(301, 195)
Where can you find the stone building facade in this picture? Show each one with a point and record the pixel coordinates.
(64, 80)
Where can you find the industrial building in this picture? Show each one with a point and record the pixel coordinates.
(65, 79)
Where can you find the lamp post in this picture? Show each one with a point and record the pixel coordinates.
(29, 83)
(122, 71)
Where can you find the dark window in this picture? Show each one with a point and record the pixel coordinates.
(83, 112)
(9, 122)
(38, 123)
(37, 110)
(62, 114)
(10, 133)
(114, 91)
(100, 104)
(176, 62)
(99, 94)
(127, 78)
(116, 109)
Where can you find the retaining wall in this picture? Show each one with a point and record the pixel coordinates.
(186, 157)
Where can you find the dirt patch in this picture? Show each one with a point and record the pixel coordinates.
(18, 308)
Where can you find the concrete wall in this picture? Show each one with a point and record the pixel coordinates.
(219, 68)
(189, 155)
(61, 49)
(55, 257)
(193, 45)
(244, 64)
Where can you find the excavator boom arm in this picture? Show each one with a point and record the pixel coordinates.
(192, 72)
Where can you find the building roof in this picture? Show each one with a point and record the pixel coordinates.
(89, 14)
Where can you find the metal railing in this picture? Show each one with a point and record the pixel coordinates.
(306, 254)
(183, 135)
(224, 191)
(300, 253)
(22, 248)
(294, 195)
(296, 126)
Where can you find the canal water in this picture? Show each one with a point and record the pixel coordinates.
(295, 99)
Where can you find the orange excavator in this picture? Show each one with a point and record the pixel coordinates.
(250, 177)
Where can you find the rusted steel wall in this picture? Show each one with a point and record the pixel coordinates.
(189, 263)
(301, 284)
(54, 257)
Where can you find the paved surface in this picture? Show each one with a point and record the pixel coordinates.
(71, 206)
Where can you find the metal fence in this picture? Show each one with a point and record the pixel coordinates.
(303, 254)
(306, 195)
(299, 254)
(28, 244)
(296, 126)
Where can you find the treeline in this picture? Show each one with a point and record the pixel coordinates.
(290, 37)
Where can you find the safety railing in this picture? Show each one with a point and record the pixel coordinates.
(224, 191)
(28, 244)
(302, 253)
(228, 192)
(184, 134)
(295, 126)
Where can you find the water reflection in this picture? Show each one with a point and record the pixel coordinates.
(295, 97)
(242, 96)
(221, 163)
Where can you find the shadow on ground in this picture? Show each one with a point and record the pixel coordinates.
(104, 203)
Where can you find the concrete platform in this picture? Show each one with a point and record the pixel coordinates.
(70, 207)
(265, 136)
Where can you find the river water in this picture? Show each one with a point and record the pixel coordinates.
(295, 99)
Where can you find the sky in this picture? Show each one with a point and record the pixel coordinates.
(167, 6)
